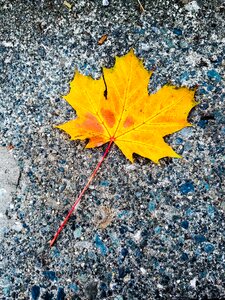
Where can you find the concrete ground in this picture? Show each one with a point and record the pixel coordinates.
(142, 231)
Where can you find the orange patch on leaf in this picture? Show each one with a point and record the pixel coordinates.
(128, 122)
(109, 117)
(91, 122)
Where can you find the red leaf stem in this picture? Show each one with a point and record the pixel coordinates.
(75, 205)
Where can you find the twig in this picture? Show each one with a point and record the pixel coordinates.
(141, 6)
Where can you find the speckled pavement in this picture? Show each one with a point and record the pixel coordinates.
(142, 231)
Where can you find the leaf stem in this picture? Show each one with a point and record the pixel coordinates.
(75, 205)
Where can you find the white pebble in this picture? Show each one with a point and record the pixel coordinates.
(105, 2)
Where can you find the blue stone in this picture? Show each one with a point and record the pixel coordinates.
(151, 206)
(181, 240)
(124, 252)
(104, 183)
(155, 263)
(123, 229)
(177, 31)
(184, 256)
(62, 161)
(213, 74)
(205, 106)
(199, 238)
(202, 91)
(189, 212)
(26, 226)
(138, 194)
(211, 211)
(21, 214)
(209, 248)
(60, 295)
(202, 123)
(183, 45)
(179, 141)
(122, 272)
(138, 253)
(184, 224)
(42, 52)
(123, 214)
(156, 30)
(6, 291)
(186, 132)
(210, 87)
(219, 60)
(131, 244)
(169, 43)
(157, 229)
(109, 277)
(103, 294)
(100, 245)
(103, 286)
(186, 188)
(56, 252)
(203, 274)
(50, 275)
(74, 287)
(204, 228)
(35, 292)
(77, 232)
(92, 255)
(2, 49)
(119, 297)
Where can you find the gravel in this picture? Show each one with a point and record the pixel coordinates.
(142, 231)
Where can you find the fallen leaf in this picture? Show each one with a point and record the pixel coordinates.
(134, 120)
(102, 39)
(10, 147)
(104, 217)
(118, 109)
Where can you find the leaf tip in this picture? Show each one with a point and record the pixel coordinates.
(56, 126)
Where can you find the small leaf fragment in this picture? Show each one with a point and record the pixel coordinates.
(102, 39)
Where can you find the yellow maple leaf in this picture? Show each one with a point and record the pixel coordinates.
(134, 120)
(117, 108)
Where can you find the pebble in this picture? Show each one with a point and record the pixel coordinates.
(60, 294)
(193, 283)
(105, 2)
(185, 224)
(35, 292)
(177, 31)
(100, 245)
(74, 287)
(50, 275)
(77, 233)
(199, 238)
(209, 248)
(151, 206)
(187, 187)
(213, 74)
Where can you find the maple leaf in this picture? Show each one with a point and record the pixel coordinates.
(118, 109)
(134, 120)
